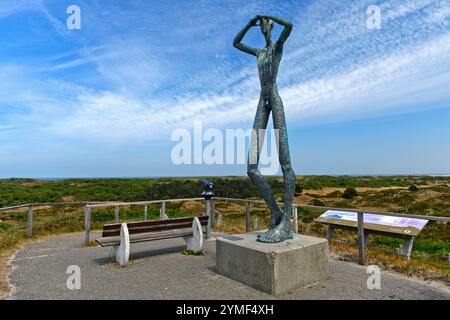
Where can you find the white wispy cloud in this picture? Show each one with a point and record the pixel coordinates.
(320, 78)
(8, 8)
(362, 90)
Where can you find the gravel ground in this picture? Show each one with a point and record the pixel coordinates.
(158, 270)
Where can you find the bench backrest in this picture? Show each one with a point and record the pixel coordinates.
(113, 230)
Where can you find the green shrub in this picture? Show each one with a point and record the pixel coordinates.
(298, 188)
(316, 202)
(4, 226)
(413, 188)
(350, 193)
(308, 215)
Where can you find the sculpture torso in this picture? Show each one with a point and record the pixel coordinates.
(268, 61)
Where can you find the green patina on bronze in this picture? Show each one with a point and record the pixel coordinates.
(268, 61)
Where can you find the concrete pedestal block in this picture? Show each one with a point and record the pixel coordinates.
(273, 268)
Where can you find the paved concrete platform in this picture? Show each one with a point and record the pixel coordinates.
(157, 270)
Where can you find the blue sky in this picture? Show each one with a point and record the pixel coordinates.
(102, 101)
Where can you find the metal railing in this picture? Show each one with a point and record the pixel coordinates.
(210, 211)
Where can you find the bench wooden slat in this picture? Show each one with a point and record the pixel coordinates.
(112, 241)
(113, 230)
(189, 228)
(112, 233)
(203, 222)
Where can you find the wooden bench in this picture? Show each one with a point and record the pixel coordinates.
(334, 221)
(120, 235)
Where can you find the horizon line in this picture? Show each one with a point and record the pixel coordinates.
(224, 176)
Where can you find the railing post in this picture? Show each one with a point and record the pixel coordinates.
(208, 213)
(162, 211)
(295, 218)
(87, 224)
(219, 220)
(361, 243)
(247, 216)
(30, 221)
(145, 212)
(116, 213)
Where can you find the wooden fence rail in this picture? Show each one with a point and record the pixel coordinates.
(31, 206)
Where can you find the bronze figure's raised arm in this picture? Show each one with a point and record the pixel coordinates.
(268, 61)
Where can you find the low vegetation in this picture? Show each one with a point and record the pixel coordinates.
(416, 195)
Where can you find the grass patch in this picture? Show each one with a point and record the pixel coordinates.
(4, 226)
(430, 246)
(192, 253)
(422, 267)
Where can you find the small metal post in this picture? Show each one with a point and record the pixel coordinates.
(30, 221)
(361, 242)
(295, 218)
(145, 212)
(207, 193)
(116, 213)
(162, 211)
(255, 223)
(213, 212)
(208, 213)
(87, 224)
(247, 216)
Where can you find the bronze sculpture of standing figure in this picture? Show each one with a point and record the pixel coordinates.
(268, 61)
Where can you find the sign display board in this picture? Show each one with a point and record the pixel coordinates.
(399, 225)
